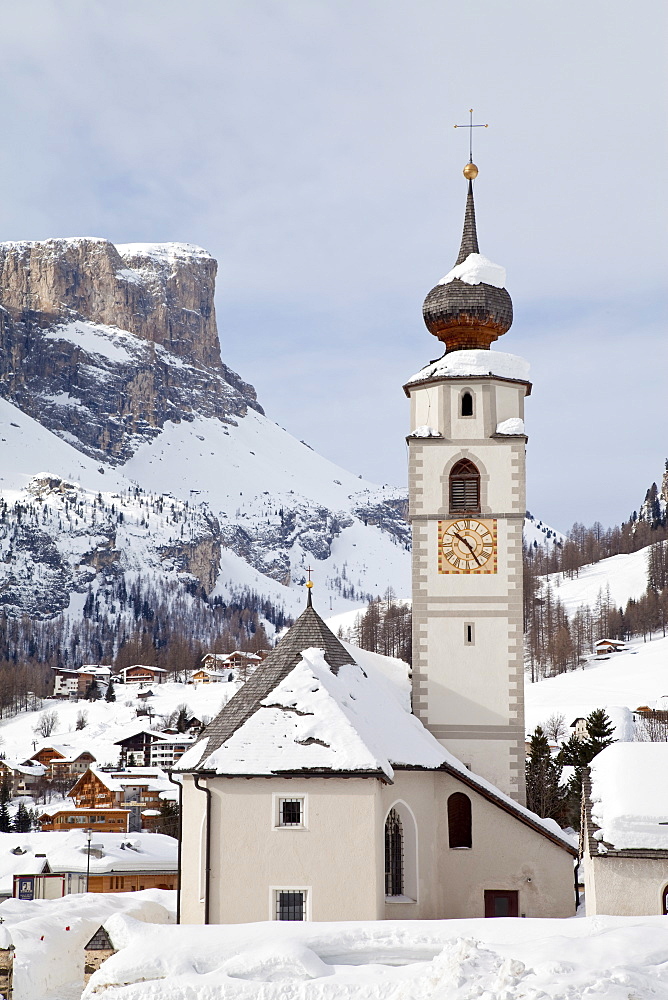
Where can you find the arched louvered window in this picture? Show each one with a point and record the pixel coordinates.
(664, 900)
(467, 404)
(394, 855)
(459, 820)
(465, 487)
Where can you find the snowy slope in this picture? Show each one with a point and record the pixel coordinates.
(628, 679)
(107, 723)
(625, 575)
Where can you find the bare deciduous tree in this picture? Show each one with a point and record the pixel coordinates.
(47, 722)
(555, 727)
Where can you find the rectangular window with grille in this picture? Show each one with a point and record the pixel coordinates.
(291, 812)
(290, 904)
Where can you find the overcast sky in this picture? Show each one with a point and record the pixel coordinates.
(309, 147)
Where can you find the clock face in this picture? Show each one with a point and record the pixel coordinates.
(467, 545)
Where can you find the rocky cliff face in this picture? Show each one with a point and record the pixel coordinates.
(163, 472)
(103, 344)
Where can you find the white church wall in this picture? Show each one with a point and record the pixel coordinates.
(335, 856)
(505, 855)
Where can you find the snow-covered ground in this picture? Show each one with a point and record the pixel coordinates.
(600, 957)
(609, 958)
(638, 676)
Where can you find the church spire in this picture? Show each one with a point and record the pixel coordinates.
(469, 236)
(469, 308)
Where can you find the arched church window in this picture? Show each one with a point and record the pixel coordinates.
(394, 855)
(465, 487)
(664, 900)
(467, 404)
(459, 820)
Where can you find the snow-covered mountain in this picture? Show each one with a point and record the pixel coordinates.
(127, 447)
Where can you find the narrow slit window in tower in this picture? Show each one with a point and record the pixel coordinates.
(467, 404)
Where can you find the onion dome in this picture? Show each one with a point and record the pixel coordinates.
(469, 308)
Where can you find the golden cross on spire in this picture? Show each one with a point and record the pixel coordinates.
(309, 585)
(470, 127)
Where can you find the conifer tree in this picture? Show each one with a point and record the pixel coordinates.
(23, 819)
(579, 753)
(5, 796)
(600, 730)
(93, 692)
(544, 795)
(111, 694)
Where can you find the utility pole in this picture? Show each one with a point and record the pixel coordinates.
(89, 837)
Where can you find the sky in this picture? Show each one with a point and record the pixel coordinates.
(308, 145)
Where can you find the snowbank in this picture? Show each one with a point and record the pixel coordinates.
(50, 935)
(606, 957)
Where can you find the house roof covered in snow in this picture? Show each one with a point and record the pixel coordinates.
(67, 852)
(627, 799)
(312, 709)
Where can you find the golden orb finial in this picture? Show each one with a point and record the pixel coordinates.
(470, 171)
(309, 584)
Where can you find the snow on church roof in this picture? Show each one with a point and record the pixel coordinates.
(463, 364)
(475, 270)
(315, 719)
(312, 708)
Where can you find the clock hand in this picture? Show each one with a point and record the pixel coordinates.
(468, 546)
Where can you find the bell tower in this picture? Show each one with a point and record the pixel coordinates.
(467, 504)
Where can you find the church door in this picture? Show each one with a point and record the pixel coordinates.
(501, 903)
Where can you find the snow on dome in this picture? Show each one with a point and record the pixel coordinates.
(514, 425)
(424, 431)
(477, 270)
(460, 364)
(629, 801)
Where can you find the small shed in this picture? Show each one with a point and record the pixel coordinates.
(98, 950)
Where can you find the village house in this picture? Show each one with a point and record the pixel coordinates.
(62, 817)
(603, 647)
(140, 674)
(73, 683)
(135, 749)
(204, 676)
(241, 662)
(62, 762)
(49, 865)
(139, 790)
(579, 727)
(166, 749)
(21, 778)
(624, 831)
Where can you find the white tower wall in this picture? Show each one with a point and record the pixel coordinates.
(468, 683)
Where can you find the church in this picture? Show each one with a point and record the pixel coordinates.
(324, 789)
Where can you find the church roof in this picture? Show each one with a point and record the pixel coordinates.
(469, 308)
(308, 631)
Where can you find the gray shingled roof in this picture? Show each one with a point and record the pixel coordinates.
(308, 631)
